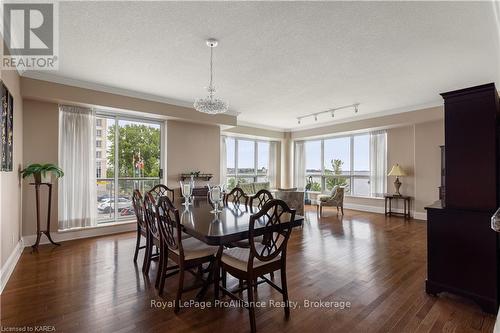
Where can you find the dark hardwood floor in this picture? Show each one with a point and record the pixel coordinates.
(376, 263)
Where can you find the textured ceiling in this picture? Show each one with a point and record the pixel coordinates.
(280, 60)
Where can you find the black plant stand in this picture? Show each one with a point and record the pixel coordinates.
(39, 232)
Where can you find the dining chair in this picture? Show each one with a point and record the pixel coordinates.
(161, 190)
(186, 253)
(153, 234)
(258, 200)
(236, 196)
(274, 223)
(138, 204)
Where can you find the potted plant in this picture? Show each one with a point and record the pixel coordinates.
(42, 172)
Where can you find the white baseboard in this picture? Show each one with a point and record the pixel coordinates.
(381, 210)
(81, 233)
(10, 264)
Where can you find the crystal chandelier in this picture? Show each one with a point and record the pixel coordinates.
(211, 104)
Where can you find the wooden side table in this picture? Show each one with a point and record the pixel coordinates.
(39, 232)
(407, 200)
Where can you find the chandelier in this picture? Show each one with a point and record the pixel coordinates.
(211, 104)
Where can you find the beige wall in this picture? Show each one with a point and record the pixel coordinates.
(60, 94)
(10, 182)
(40, 145)
(192, 147)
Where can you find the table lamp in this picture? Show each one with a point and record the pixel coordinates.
(398, 172)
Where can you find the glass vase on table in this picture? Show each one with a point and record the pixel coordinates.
(215, 194)
(187, 192)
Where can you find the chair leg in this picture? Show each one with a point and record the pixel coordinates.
(285, 292)
(271, 275)
(251, 308)
(255, 284)
(342, 209)
(147, 256)
(160, 269)
(217, 270)
(163, 277)
(137, 244)
(180, 288)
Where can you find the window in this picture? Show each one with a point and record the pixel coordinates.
(130, 159)
(98, 133)
(247, 161)
(98, 122)
(98, 170)
(343, 161)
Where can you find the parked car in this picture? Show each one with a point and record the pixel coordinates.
(108, 205)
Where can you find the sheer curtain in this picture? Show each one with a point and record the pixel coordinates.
(300, 165)
(378, 163)
(77, 189)
(223, 160)
(273, 164)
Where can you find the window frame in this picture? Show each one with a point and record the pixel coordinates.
(255, 175)
(351, 173)
(117, 117)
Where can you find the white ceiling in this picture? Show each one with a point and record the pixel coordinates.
(279, 60)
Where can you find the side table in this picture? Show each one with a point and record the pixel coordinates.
(388, 208)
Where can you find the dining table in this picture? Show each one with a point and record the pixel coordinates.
(230, 225)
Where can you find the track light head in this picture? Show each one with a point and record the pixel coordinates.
(315, 117)
(298, 121)
(356, 108)
(333, 114)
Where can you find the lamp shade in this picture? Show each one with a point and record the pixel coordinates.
(397, 171)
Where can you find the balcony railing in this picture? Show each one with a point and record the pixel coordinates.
(115, 205)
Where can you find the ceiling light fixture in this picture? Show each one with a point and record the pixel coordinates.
(211, 104)
(331, 111)
(298, 121)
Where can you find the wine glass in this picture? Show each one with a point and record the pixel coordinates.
(215, 197)
(186, 191)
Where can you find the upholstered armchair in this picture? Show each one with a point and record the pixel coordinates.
(334, 199)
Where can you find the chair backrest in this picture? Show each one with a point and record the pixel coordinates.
(138, 204)
(169, 224)
(259, 199)
(275, 224)
(236, 196)
(339, 194)
(161, 190)
(150, 215)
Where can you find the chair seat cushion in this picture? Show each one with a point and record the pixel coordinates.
(246, 243)
(194, 249)
(324, 197)
(237, 257)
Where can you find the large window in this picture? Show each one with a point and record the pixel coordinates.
(128, 157)
(247, 161)
(343, 161)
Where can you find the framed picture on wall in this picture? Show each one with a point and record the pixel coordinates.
(6, 129)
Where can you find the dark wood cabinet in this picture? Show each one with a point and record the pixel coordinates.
(462, 248)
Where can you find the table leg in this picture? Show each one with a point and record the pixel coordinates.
(385, 206)
(404, 211)
(207, 283)
(390, 206)
(47, 232)
(38, 232)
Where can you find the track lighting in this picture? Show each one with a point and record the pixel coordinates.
(355, 106)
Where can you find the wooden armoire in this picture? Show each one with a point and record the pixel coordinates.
(462, 250)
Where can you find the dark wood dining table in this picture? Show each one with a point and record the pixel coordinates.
(230, 225)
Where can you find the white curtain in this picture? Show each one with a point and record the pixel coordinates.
(273, 164)
(378, 163)
(300, 165)
(77, 189)
(223, 160)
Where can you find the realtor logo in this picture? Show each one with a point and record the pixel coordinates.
(30, 35)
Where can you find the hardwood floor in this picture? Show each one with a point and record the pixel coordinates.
(377, 264)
